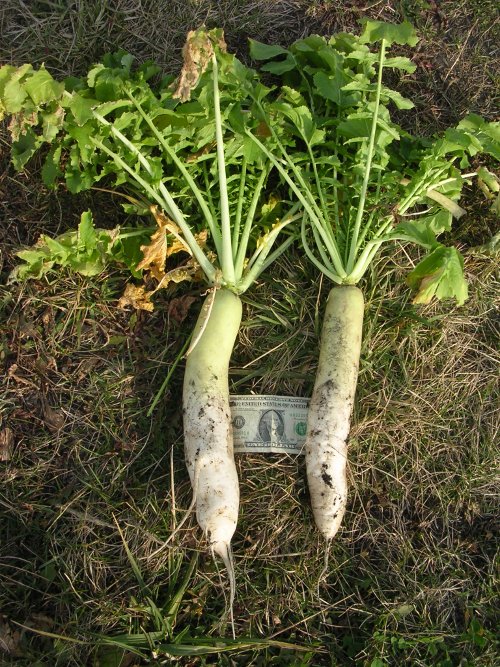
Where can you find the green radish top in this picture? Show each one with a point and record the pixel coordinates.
(178, 148)
(199, 153)
(361, 179)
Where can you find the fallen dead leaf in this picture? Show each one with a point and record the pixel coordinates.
(12, 373)
(10, 639)
(137, 297)
(48, 319)
(54, 419)
(178, 308)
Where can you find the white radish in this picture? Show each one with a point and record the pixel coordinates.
(208, 437)
(331, 407)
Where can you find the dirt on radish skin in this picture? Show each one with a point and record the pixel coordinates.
(331, 406)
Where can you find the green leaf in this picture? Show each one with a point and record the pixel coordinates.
(51, 170)
(91, 265)
(331, 87)
(416, 231)
(86, 232)
(128, 251)
(488, 182)
(52, 122)
(6, 72)
(439, 222)
(24, 148)
(85, 251)
(59, 248)
(439, 275)
(14, 93)
(400, 62)
(424, 230)
(279, 67)
(398, 99)
(355, 127)
(491, 248)
(252, 152)
(459, 142)
(260, 51)
(402, 33)
(302, 120)
(445, 202)
(42, 88)
(475, 123)
(309, 44)
(81, 108)
(36, 264)
(82, 135)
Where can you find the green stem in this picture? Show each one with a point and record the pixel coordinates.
(239, 208)
(208, 189)
(226, 257)
(167, 203)
(274, 255)
(210, 219)
(369, 159)
(319, 245)
(335, 177)
(319, 187)
(265, 246)
(165, 382)
(258, 261)
(365, 230)
(306, 203)
(335, 198)
(321, 267)
(369, 252)
(419, 189)
(318, 213)
(245, 236)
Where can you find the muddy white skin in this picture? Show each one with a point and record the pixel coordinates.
(208, 437)
(331, 407)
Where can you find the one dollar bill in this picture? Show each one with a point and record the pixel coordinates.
(269, 424)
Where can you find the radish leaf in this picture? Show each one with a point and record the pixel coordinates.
(440, 274)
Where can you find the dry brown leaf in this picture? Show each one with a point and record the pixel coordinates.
(178, 308)
(53, 419)
(155, 256)
(6, 444)
(20, 122)
(188, 271)
(137, 297)
(12, 373)
(10, 639)
(159, 249)
(201, 238)
(197, 52)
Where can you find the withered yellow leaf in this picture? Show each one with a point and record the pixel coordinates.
(156, 252)
(197, 52)
(137, 297)
(189, 271)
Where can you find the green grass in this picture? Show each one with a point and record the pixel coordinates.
(92, 487)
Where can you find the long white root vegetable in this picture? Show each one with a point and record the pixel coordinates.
(208, 438)
(331, 407)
